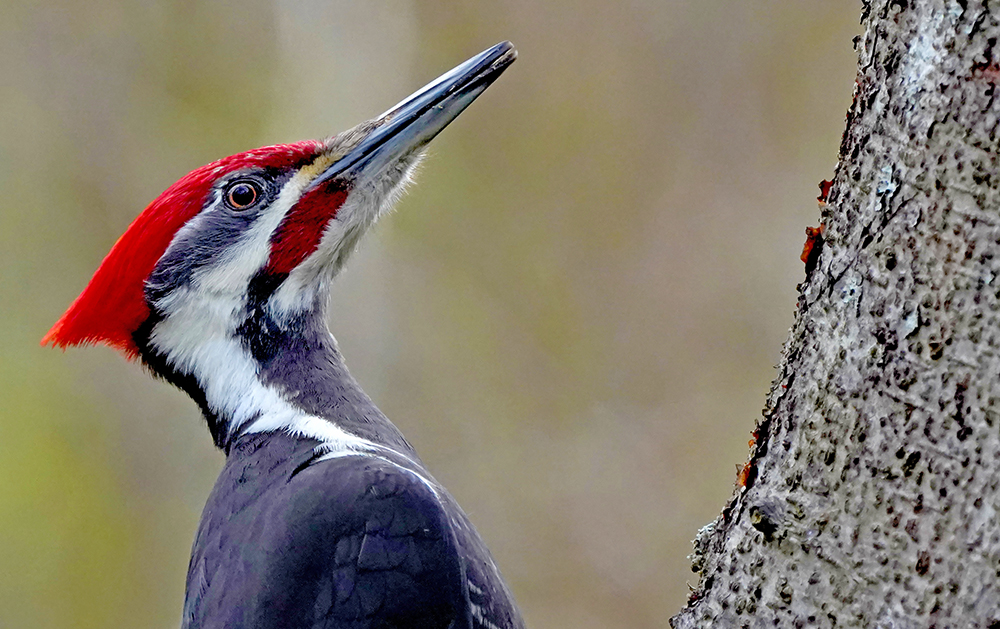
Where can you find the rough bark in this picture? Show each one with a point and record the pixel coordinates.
(872, 495)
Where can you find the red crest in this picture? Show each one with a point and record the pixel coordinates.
(113, 305)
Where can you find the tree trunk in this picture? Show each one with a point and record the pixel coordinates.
(872, 494)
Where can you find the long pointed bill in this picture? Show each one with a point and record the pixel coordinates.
(414, 122)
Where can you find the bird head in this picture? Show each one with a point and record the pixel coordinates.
(220, 285)
(254, 239)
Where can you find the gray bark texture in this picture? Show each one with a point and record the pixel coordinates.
(872, 494)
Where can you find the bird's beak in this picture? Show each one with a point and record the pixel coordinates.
(411, 124)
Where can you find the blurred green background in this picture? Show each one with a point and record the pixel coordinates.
(574, 315)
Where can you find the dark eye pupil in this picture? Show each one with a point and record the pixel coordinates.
(242, 195)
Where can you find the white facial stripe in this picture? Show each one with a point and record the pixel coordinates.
(198, 343)
(197, 340)
(196, 323)
(233, 271)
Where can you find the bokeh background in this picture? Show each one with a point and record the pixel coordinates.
(574, 315)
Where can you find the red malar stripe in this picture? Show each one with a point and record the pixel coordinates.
(299, 233)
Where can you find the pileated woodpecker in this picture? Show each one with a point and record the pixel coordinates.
(323, 515)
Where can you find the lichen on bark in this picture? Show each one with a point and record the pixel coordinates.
(872, 497)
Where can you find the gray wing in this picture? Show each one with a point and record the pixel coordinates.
(349, 542)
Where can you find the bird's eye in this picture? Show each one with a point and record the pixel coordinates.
(242, 194)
